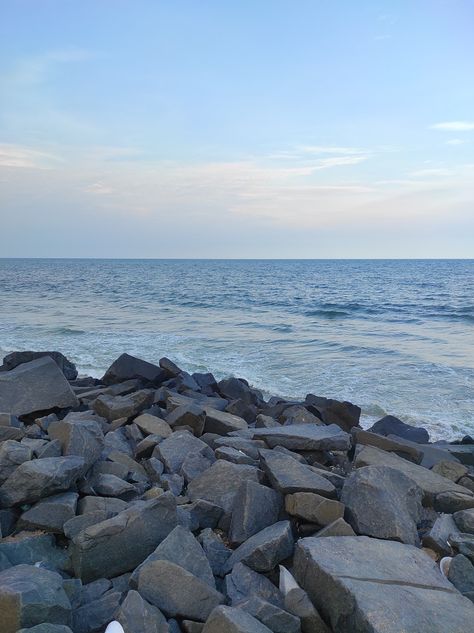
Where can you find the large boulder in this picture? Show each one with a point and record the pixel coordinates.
(136, 615)
(243, 583)
(50, 514)
(306, 437)
(314, 508)
(174, 449)
(78, 437)
(19, 358)
(119, 544)
(126, 367)
(31, 595)
(390, 425)
(384, 503)
(35, 386)
(264, 550)
(366, 585)
(39, 478)
(344, 414)
(256, 507)
(233, 620)
(287, 475)
(12, 454)
(115, 407)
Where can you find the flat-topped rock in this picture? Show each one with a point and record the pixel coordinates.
(233, 620)
(390, 425)
(397, 445)
(264, 550)
(365, 585)
(35, 386)
(15, 359)
(306, 437)
(287, 475)
(126, 367)
(221, 422)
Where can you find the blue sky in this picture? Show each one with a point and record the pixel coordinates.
(145, 128)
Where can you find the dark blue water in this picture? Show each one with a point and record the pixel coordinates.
(392, 336)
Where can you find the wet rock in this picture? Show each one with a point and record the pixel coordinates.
(383, 503)
(15, 359)
(119, 544)
(373, 586)
(243, 583)
(276, 619)
(126, 367)
(115, 407)
(35, 386)
(40, 478)
(216, 551)
(221, 422)
(464, 520)
(255, 508)
(236, 389)
(50, 514)
(12, 454)
(173, 450)
(314, 508)
(176, 591)
(306, 437)
(136, 615)
(233, 620)
(83, 438)
(390, 425)
(288, 476)
(264, 550)
(32, 595)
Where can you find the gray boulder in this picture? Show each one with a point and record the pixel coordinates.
(464, 520)
(461, 574)
(176, 591)
(221, 422)
(40, 478)
(366, 585)
(31, 548)
(12, 454)
(216, 551)
(50, 514)
(151, 425)
(244, 583)
(119, 544)
(314, 508)
(46, 627)
(345, 414)
(35, 386)
(191, 415)
(115, 407)
(264, 550)
(384, 503)
(390, 425)
(233, 620)
(32, 595)
(452, 501)
(276, 619)
(14, 359)
(306, 437)
(78, 437)
(174, 449)
(287, 475)
(396, 445)
(136, 615)
(255, 507)
(437, 538)
(95, 615)
(297, 602)
(126, 367)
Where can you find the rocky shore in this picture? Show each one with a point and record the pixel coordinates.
(169, 502)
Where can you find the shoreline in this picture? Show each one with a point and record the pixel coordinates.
(154, 497)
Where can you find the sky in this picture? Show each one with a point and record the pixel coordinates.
(244, 129)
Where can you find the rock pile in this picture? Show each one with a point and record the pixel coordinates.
(172, 503)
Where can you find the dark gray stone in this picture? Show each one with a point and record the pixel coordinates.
(453, 501)
(235, 389)
(464, 544)
(464, 520)
(35, 386)
(233, 620)
(288, 476)
(221, 422)
(398, 446)
(32, 595)
(297, 602)
(313, 508)
(306, 437)
(126, 367)
(195, 464)
(78, 437)
(115, 407)
(40, 478)
(192, 415)
(12, 454)
(95, 590)
(264, 550)
(390, 425)
(112, 486)
(152, 425)
(51, 513)
(276, 619)
(234, 455)
(107, 507)
(339, 527)
(365, 585)
(94, 616)
(243, 583)
(15, 359)
(176, 591)
(136, 615)
(46, 627)
(174, 449)
(255, 508)
(384, 503)
(31, 548)
(345, 414)
(437, 538)
(461, 573)
(119, 544)
(216, 551)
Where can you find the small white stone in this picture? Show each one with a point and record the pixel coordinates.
(444, 565)
(114, 627)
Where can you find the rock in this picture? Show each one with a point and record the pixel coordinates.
(398, 445)
(464, 544)
(313, 508)
(216, 551)
(126, 367)
(12, 454)
(112, 486)
(287, 475)
(243, 410)
(220, 483)
(35, 386)
(390, 425)
(384, 503)
(107, 508)
(221, 422)
(115, 407)
(461, 574)
(40, 478)
(243, 583)
(32, 548)
(14, 359)
(151, 425)
(192, 415)
(298, 414)
(179, 547)
(233, 620)
(234, 455)
(119, 544)
(264, 550)
(136, 615)
(345, 414)
(195, 464)
(50, 514)
(249, 447)
(366, 585)
(94, 590)
(32, 595)
(94, 615)
(170, 368)
(176, 591)
(46, 627)
(236, 389)
(83, 438)
(306, 437)
(450, 470)
(464, 520)
(255, 508)
(297, 602)
(276, 619)
(339, 527)
(265, 422)
(431, 483)
(453, 501)
(174, 449)
(437, 538)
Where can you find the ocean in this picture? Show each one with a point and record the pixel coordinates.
(393, 336)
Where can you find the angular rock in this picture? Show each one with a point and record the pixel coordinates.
(151, 425)
(106, 507)
(384, 503)
(255, 508)
(115, 407)
(453, 501)
(179, 547)
(119, 544)
(461, 574)
(464, 544)
(373, 586)
(95, 615)
(113, 486)
(314, 508)
(126, 367)
(192, 415)
(83, 438)
(176, 591)
(216, 551)
(195, 464)
(464, 520)
(136, 615)
(14, 359)
(174, 449)
(450, 470)
(32, 595)
(287, 475)
(51, 513)
(233, 620)
(437, 538)
(46, 627)
(32, 548)
(276, 619)
(398, 446)
(306, 437)
(234, 455)
(339, 527)
(264, 550)
(390, 425)
(221, 422)
(35, 386)
(12, 454)
(243, 583)
(40, 478)
(297, 602)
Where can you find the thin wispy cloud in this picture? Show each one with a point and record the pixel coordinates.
(19, 157)
(455, 141)
(454, 126)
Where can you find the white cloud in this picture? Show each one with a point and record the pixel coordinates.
(99, 189)
(18, 156)
(455, 141)
(454, 126)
